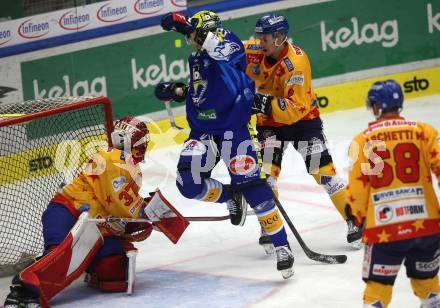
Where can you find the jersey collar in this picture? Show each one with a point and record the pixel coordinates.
(283, 53)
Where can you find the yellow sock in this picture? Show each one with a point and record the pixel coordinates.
(423, 287)
(375, 291)
(333, 184)
(274, 172)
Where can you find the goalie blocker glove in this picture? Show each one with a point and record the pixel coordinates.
(262, 104)
(166, 91)
(177, 22)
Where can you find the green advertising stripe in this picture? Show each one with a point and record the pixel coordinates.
(338, 36)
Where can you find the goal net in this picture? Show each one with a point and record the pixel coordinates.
(43, 144)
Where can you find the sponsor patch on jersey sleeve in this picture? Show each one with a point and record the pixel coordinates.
(289, 64)
(295, 79)
(281, 104)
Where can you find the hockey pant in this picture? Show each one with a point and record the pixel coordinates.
(239, 151)
(382, 262)
(307, 137)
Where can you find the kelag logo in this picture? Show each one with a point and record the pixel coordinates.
(148, 7)
(71, 21)
(416, 85)
(31, 30)
(5, 36)
(179, 3)
(322, 101)
(106, 13)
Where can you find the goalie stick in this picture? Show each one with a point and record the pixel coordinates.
(330, 259)
(189, 218)
(171, 117)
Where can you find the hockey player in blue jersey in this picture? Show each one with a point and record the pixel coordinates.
(219, 100)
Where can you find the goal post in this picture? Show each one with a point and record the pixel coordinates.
(43, 144)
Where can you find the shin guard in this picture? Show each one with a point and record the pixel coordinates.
(377, 293)
(333, 185)
(56, 270)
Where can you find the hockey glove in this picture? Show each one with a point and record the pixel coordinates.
(137, 231)
(166, 91)
(262, 104)
(177, 22)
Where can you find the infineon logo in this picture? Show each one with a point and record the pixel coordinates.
(31, 30)
(5, 36)
(71, 21)
(106, 13)
(148, 7)
(179, 3)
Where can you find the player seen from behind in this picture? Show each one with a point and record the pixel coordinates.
(287, 112)
(108, 187)
(218, 99)
(390, 191)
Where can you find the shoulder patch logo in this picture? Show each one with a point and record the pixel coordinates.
(289, 64)
(298, 50)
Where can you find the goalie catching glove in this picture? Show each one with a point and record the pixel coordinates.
(137, 231)
(166, 91)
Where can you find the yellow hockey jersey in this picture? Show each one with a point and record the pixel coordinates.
(289, 81)
(390, 182)
(108, 187)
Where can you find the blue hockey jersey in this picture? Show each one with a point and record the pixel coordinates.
(220, 94)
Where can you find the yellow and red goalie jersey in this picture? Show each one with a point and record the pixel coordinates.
(289, 81)
(109, 186)
(390, 182)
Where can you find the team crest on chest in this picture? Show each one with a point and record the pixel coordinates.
(199, 86)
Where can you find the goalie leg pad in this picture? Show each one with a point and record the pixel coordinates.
(56, 270)
(110, 274)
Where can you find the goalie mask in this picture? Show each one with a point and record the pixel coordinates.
(131, 136)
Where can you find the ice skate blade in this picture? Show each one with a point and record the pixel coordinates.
(287, 273)
(269, 249)
(357, 245)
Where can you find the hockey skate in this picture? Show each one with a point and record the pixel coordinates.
(433, 301)
(285, 261)
(20, 298)
(237, 207)
(266, 242)
(354, 235)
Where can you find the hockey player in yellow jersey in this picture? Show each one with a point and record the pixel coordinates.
(390, 192)
(287, 112)
(107, 187)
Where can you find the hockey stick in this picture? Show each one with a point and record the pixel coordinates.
(171, 117)
(331, 259)
(189, 218)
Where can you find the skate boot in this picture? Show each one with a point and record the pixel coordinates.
(354, 235)
(266, 242)
(21, 298)
(237, 207)
(433, 301)
(284, 261)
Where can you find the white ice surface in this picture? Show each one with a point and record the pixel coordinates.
(220, 265)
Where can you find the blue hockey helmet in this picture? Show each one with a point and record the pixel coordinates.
(272, 23)
(386, 95)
